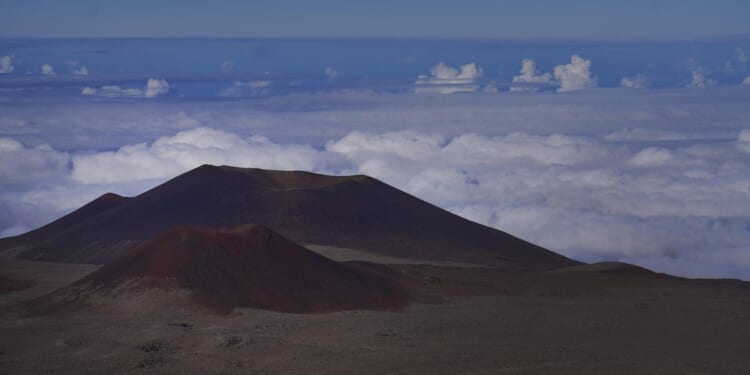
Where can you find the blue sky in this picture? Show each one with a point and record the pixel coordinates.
(641, 19)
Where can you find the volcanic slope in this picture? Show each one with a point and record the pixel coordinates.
(249, 266)
(356, 212)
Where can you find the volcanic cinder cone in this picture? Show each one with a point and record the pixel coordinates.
(357, 212)
(250, 266)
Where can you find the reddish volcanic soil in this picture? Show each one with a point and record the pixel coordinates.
(356, 212)
(11, 284)
(250, 266)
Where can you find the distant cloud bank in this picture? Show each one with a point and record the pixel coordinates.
(246, 89)
(154, 87)
(637, 81)
(444, 79)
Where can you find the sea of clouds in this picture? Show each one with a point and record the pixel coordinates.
(659, 178)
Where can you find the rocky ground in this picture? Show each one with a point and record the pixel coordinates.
(599, 320)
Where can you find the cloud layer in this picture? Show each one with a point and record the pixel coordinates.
(584, 197)
(246, 89)
(659, 178)
(168, 156)
(637, 81)
(154, 87)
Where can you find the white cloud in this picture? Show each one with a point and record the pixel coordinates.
(530, 75)
(6, 64)
(48, 70)
(331, 73)
(637, 81)
(154, 88)
(168, 156)
(444, 79)
(113, 91)
(20, 164)
(651, 157)
(246, 89)
(576, 195)
(698, 80)
(747, 80)
(576, 75)
(82, 71)
(87, 90)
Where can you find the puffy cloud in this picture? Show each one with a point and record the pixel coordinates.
(444, 74)
(576, 75)
(20, 164)
(6, 64)
(331, 73)
(698, 80)
(585, 198)
(651, 157)
(444, 79)
(154, 88)
(747, 80)
(530, 75)
(82, 71)
(168, 156)
(246, 89)
(87, 90)
(635, 82)
(48, 70)
(24, 169)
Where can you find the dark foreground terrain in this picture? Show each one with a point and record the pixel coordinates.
(600, 319)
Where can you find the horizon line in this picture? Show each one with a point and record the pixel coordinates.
(635, 39)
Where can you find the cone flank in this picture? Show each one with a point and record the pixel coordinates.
(356, 212)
